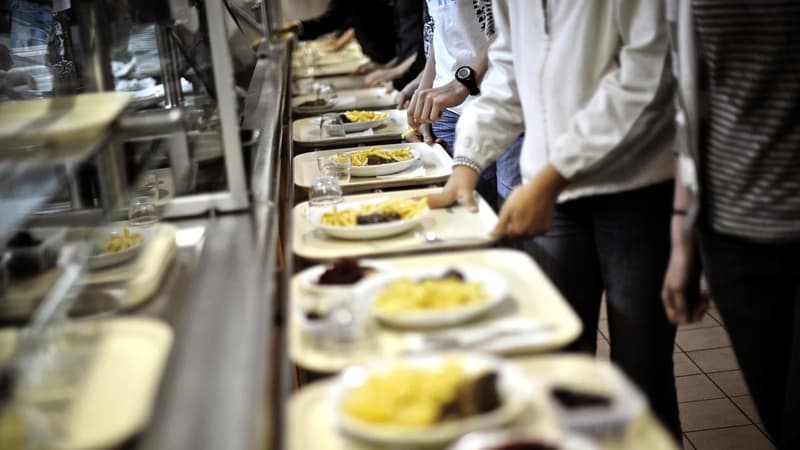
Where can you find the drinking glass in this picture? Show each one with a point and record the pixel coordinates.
(332, 124)
(338, 167)
(143, 211)
(325, 191)
(324, 91)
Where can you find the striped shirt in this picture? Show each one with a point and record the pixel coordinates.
(750, 157)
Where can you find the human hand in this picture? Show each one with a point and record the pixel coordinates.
(365, 68)
(20, 78)
(422, 134)
(427, 104)
(291, 27)
(458, 189)
(680, 293)
(379, 76)
(341, 42)
(405, 94)
(530, 208)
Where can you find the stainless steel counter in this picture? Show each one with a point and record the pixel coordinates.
(222, 297)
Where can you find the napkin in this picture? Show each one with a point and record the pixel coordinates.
(344, 101)
(539, 334)
(416, 170)
(367, 132)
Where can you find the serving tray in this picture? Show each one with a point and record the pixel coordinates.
(436, 166)
(455, 227)
(530, 296)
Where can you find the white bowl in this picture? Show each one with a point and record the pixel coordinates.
(513, 387)
(493, 284)
(362, 232)
(308, 278)
(102, 259)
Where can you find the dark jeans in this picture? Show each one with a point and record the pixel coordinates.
(619, 243)
(757, 290)
(497, 180)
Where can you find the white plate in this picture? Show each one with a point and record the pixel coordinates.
(362, 232)
(385, 169)
(352, 127)
(493, 284)
(308, 278)
(513, 386)
(103, 260)
(311, 109)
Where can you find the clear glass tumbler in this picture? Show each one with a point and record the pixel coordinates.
(325, 191)
(332, 124)
(143, 211)
(339, 167)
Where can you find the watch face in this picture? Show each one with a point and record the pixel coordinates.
(463, 73)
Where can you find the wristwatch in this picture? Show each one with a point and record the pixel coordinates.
(466, 76)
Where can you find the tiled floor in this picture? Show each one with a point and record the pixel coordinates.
(717, 412)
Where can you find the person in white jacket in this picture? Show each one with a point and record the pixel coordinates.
(589, 83)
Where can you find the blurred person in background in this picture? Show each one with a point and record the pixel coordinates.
(458, 34)
(409, 18)
(372, 20)
(738, 196)
(590, 84)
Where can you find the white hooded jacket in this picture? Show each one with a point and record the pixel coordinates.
(589, 83)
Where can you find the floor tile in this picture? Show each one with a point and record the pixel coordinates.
(745, 403)
(702, 338)
(714, 312)
(603, 350)
(602, 327)
(696, 387)
(735, 438)
(687, 445)
(731, 382)
(716, 360)
(707, 414)
(684, 366)
(706, 322)
(676, 349)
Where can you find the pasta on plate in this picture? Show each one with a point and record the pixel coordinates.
(407, 295)
(391, 210)
(355, 116)
(375, 155)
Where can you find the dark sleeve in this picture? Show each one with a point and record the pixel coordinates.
(334, 18)
(427, 30)
(408, 24)
(412, 72)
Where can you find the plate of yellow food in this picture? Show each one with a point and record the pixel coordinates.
(433, 296)
(428, 400)
(379, 160)
(355, 120)
(117, 246)
(372, 219)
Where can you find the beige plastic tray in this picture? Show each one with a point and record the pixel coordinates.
(115, 398)
(136, 281)
(306, 131)
(340, 83)
(121, 386)
(371, 98)
(455, 226)
(343, 67)
(531, 295)
(435, 161)
(72, 121)
(310, 409)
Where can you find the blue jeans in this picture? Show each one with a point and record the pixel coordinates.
(757, 290)
(499, 178)
(620, 244)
